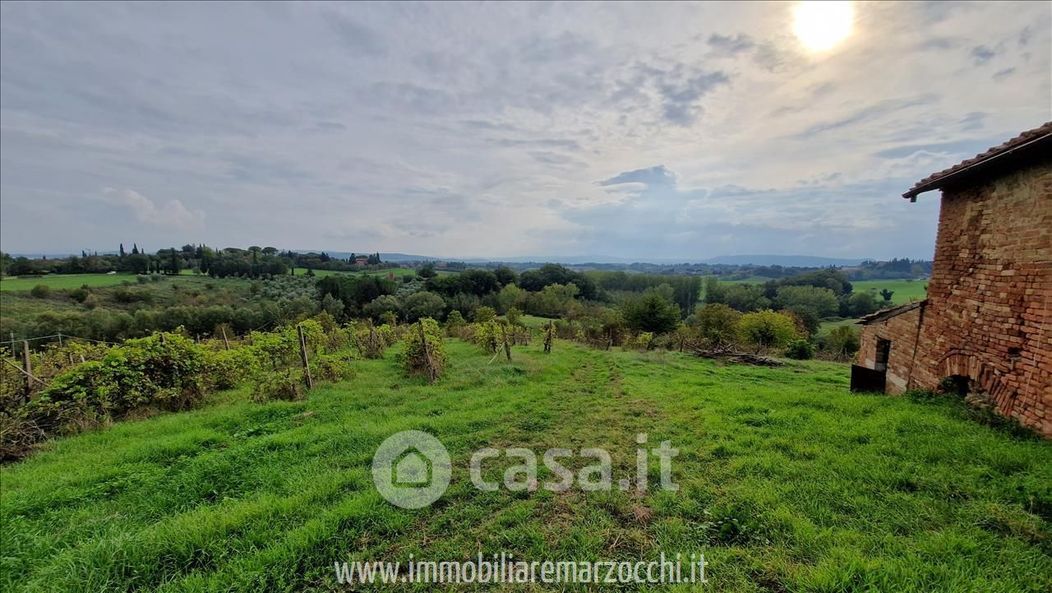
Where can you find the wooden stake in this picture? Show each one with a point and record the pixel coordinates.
(59, 339)
(226, 342)
(303, 356)
(27, 368)
(548, 337)
(504, 336)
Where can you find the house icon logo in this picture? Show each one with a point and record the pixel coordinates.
(411, 469)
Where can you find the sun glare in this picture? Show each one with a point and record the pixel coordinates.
(822, 25)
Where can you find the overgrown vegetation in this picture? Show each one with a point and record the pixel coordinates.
(787, 482)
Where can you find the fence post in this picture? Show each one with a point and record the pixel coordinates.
(226, 342)
(27, 367)
(59, 339)
(548, 338)
(504, 337)
(303, 357)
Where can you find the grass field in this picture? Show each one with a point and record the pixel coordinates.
(60, 281)
(787, 482)
(905, 290)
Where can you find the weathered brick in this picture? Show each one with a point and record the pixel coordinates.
(988, 315)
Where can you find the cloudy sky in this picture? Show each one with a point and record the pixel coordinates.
(642, 130)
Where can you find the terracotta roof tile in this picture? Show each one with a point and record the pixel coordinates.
(937, 180)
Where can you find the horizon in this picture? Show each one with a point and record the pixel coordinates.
(668, 132)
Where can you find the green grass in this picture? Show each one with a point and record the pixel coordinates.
(397, 272)
(788, 482)
(905, 290)
(60, 281)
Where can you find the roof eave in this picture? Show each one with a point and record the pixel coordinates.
(996, 159)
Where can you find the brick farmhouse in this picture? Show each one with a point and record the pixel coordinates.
(986, 326)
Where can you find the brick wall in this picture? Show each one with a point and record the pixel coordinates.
(989, 310)
(902, 331)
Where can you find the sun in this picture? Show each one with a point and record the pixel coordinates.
(820, 26)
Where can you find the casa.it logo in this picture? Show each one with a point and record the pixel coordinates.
(411, 469)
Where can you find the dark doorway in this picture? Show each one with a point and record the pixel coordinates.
(863, 379)
(883, 353)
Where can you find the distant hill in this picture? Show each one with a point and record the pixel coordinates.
(799, 261)
(795, 261)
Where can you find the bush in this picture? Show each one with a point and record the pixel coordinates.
(484, 314)
(800, 349)
(371, 341)
(841, 343)
(79, 294)
(766, 329)
(651, 312)
(331, 368)
(487, 335)
(40, 291)
(423, 353)
(424, 304)
(168, 374)
(717, 325)
(454, 322)
(225, 369)
(278, 385)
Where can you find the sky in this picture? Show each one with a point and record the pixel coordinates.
(649, 131)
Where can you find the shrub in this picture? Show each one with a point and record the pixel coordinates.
(18, 433)
(484, 314)
(800, 349)
(487, 335)
(424, 304)
(331, 368)
(79, 294)
(40, 291)
(766, 329)
(423, 353)
(454, 323)
(841, 342)
(225, 369)
(168, 374)
(370, 341)
(382, 304)
(278, 385)
(651, 312)
(717, 325)
(514, 316)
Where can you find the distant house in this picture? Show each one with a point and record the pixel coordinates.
(361, 260)
(986, 326)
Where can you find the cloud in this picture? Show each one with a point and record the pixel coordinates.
(653, 176)
(356, 37)
(686, 129)
(170, 214)
(731, 44)
(982, 54)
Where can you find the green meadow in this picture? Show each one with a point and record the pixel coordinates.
(787, 482)
(64, 281)
(904, 290)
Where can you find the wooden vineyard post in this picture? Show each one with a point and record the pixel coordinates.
(226, 342)
(548, 338)
(27, 368)
(504, 337)
(303, 357)
(432, 374)
(162, 338)
(59, 339)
